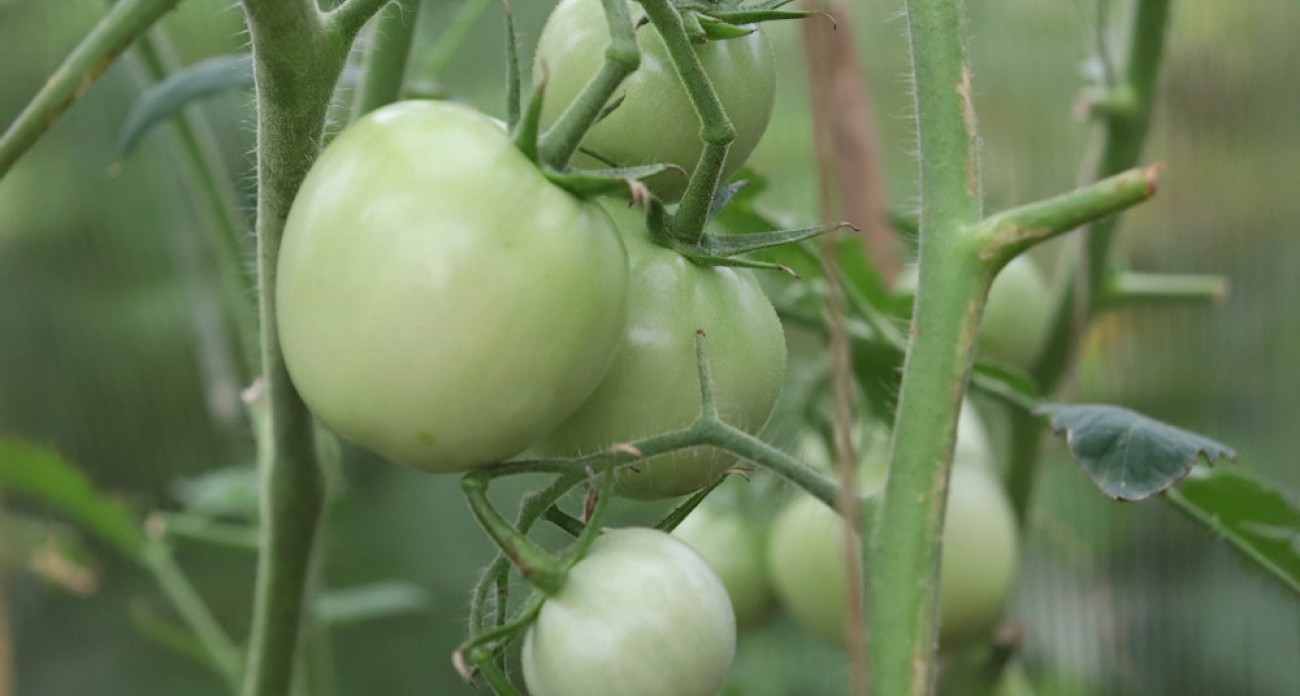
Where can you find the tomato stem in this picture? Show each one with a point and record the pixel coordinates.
(1119, 140)
(125, 22)
(384, 67)
(298, 55)
(622, 58)
(716, 130)
(534, 563)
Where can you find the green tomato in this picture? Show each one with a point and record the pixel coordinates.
(1016, 316)
(1015, 319)
(736, 548)
(655, 123)
(440, 301)
(640, 615)
(653, 386)
(979, 559)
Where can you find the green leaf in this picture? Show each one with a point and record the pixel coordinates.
(228, 492)
(1128, 455)
(42, 473)
(166, 99)
(1261, 522)
(373, 601)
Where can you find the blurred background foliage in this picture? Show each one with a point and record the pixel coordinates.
(109, 352)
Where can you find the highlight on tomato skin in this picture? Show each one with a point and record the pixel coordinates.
(640, 615)
(655, 123)
(422, 316)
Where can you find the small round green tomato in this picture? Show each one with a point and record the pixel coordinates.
(655, 124)
(979, 559)
(653, 386)
(736, 548)
(640, 615)
(440, 302)
(1015, 318)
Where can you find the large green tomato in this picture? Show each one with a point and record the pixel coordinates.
(441, 302)
(979, 558)
(736, 548)
(656, 123)
(640, 615)
(653, 386)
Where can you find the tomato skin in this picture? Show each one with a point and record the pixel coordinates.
(653, 386)
(735, 547)
(441, 302)
(980, 553)
(640, 615)
(656, 123)
(1016, 315)
(1015, 319)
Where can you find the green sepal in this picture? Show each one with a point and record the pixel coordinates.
(718, 30)
(695, 30)
(589, 183)
(527, 132)
(513, 73)
(755, 16)
(722, 250)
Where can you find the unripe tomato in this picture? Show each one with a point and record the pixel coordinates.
(653, 386)
(736, 548)
(656, 123)
(440, 301)
(1015, 319)
(980, 553)
(640, 615)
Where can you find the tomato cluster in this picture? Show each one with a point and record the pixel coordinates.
(444, 302)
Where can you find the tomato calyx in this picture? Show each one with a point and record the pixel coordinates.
(726, 250)
(729, 19)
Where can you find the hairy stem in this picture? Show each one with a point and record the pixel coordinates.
(716, 130)
(298, 55)
(622, 58)
(905, 540)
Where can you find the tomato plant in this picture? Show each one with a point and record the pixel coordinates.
(641, 614)
(444, 311)
(653, 386)
(655, 123)
(735, 546)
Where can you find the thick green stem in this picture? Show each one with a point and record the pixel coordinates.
(385, 63)
(905, 540)
(298, 55)
(1121, 136)
(123, 24)
(716, 129)
(622, 58)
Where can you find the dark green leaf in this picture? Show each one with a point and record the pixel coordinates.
(42, 473)
(374, 601)
(165, 99)
(1250, 514)
(1128, 455)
